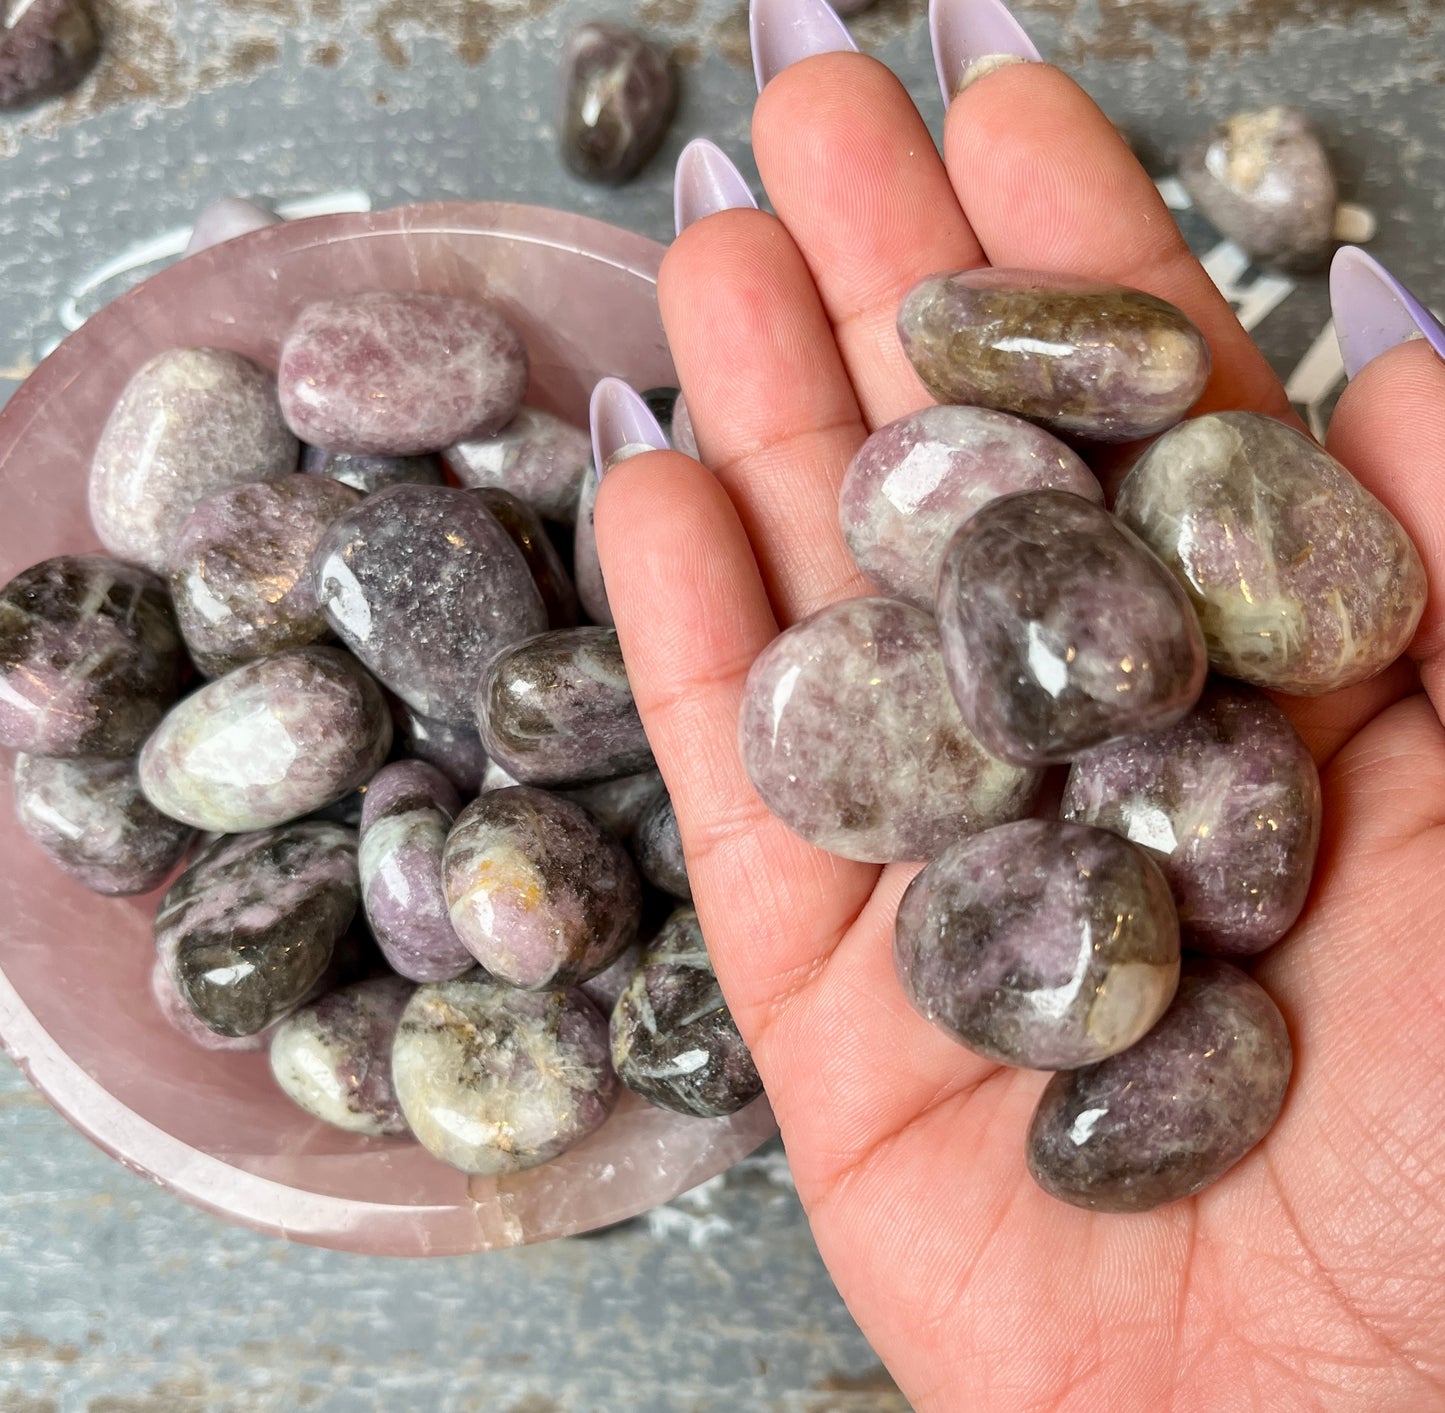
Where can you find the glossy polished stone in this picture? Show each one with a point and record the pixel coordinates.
(538, 457)
(46, 48)
(1081, 358)
(1302, 580)
(395, 373)
(674, 1040)
(270, 742)
(557, 710)
(1061, 630)
(619, 805)
(93, 823)
(332, 1058)
(658, 850)
(408, 813)
(915, 481)
(90, 657)
(452, 747)
(1263, 179)
(586, 567)
(493, 1080)
(530, 536)
(1227, 802)
(191, 422)
(249, 928)
(618, 96)
(541, 894)
(1175, 1112)
(180, 1017)
(1039, 944)
(372, 473)
(424, 585)
(240, 569)
(681, 433)
(851, 737)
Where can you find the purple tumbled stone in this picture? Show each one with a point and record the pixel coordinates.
(538, 890)
(1173, 1113)
(530, 536)
(850, 735)
(46, 48)
(90, 657)
(1039, 944)
(452, 747)
(227, 218)
(423, 584)
(1227, 801)
(191, 422)
(618, 97)
(399, 374)
(1061, 631)
(1302, 580)
(538, 457)
(657, 848)
(1084, 359)
(408, 813)
(604, 988)
(493, 1080)
(372, 473)
(332, 1058)
(618, 804)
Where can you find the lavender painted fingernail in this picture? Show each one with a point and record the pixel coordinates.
(622, 425)
(1374, 311)
(706, 182)
(972, 38)
(784, 31)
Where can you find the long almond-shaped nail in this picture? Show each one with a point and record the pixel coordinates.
(784, 31)
(706, 181)
(1374, 311)
(972, 38)
(622, 425)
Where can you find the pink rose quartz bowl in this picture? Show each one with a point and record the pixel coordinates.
(76, 1011)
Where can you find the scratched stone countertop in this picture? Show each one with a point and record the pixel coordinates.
(116, 1298)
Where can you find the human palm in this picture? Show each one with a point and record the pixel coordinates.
(1313, 1274)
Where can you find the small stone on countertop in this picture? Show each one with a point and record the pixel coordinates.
(618, 96)
(46, 48)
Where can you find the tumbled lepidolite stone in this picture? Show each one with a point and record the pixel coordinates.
(372, 473)
(1227, 801)
(538, 457)
(681, 433)
(850, 735)
(1084, 359)
(539, 891)
(191, 422)
(493, 1080)
(617, 100)
(1173, 1113)
(423, 584)
(408, 813)
(915, 481)
(270, 742)
(240, 569)
(400, 373)
(619, 805)
(453, 747)
(658, 850)
(46, 48)
(674, 1040)
(333, 1057)
(1039, 944)
(586, 567)
(529, 535)
(1061, 630)
(180, 1017)
(90, 657)
(1302, 580)
(249, 928)
(93, 822)
(557, 710)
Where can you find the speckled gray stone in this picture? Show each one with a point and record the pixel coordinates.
(681, 434)
(270, 742)
(493, 1080)
(1227, 801)
(453, 747)
(557, 710)
(1039, 944)
(240, 569)
(332, 1058)
(191, 422)
(1082, 358)
(850, 735)
(1301, 579)
(249, 928)
(1176, 1111)
(586, 567)
(46, 48)
(372, 473)
(618, 96)
(530, 536)
(915, 481)
(674, 1040)
(619, 804)
(538, 457)
(1061, 630)
(658, 850)
(424, 585)
(395, 373)
(538, 890)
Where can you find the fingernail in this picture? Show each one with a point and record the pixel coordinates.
(1374, 311)
(706, 182)
(784, 31)
(622, 425)
(226, 219)
(972, 38)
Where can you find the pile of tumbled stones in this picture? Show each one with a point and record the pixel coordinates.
(413, 776)
(1025, 627)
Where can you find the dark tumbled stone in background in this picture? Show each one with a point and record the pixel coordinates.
(618, 96)
(540, 458)
(530, 536)
(46, 48)
(657, 847)
(372, 473)
(453, 747)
